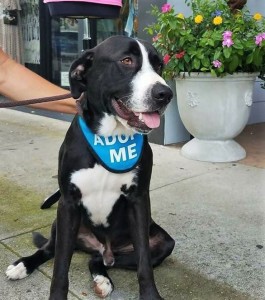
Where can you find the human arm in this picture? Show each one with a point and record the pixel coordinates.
(19, 83)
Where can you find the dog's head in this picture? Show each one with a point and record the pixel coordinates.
(122, 81)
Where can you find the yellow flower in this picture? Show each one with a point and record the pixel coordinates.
(217, 20)
(181, 16)
(257, 16)
(198, 19)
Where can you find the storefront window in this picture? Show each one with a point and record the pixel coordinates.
(70, 36)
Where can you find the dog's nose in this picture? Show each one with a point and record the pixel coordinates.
(161, 92)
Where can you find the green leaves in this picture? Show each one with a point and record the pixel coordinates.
(206, 42)
(196, 64)
(258, 58)
(205, 62)
(217, 54)
(234, 63)
(227, 52)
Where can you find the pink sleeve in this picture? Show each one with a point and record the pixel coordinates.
(106, 2)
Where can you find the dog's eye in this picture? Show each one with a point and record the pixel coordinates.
(127, 61)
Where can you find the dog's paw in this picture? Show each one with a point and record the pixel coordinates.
(14, 272)
(102, 286)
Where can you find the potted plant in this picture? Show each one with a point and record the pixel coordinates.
(223, 47)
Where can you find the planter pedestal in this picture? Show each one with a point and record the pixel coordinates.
(214, 110)
(213, 151)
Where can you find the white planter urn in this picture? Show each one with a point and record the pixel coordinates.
(214, 110)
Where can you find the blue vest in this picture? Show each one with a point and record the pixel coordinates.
(118, 153)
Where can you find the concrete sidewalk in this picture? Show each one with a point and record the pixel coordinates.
(215, 212)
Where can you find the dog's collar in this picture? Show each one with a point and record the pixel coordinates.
(118, 154)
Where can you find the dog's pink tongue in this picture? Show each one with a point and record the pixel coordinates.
(151, 120)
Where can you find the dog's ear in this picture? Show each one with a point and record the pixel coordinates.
(77, 73)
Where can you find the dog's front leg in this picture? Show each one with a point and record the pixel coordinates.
(67, 225)
(139, 217)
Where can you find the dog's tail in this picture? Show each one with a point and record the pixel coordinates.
(49, 201)
(38, 239)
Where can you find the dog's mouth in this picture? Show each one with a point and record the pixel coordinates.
(140, 121)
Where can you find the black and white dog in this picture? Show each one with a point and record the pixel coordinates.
(105, 165)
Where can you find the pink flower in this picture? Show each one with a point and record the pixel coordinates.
(166, 7)
(228, 42)
(259, 38)
(227, 38)
(217, 63)
(166, 59)
(180, 54)
(227, 34)
(156, 38)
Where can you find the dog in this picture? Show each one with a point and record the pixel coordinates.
(105, 165)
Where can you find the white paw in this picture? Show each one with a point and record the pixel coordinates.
(16, 272)
(102, 286)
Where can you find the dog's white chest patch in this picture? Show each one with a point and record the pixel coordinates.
(100, 190)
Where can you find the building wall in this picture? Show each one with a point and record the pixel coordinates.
(30, 30)
(171, 129)
(258, 109)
